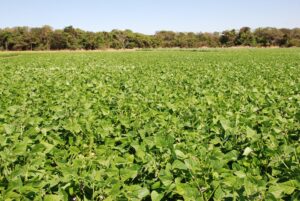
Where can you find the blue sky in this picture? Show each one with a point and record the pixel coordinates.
(148, 16)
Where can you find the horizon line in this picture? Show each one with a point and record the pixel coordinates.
(162, 30)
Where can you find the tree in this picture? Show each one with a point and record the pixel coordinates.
(268, 36)
(294, 40)
(245, 37)
(104, 40)
(208, 39)
(228, 38)
(6, 38)
(45, 38)
(58, 40)
(71, 36)
(118, 39)
(166, 38)
(89, 41)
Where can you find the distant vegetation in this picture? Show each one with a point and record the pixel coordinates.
(46, 38)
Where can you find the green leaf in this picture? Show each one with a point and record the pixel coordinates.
(250, 187)
(9, 128)
(20, 148)
(166, 177)
(179, 165)
(189, 193)
(284, 188)
(240, 174)
(129, 173)
(247, 151)
(218, 194)
(251, 134)
(72, 126)
(156, 185)
(2, 140)
(52, 198)
(155, 196)
(48, 146)
(180, 154)
(225, 124)
(143, 193)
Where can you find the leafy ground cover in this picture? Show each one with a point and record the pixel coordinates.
(158, 125)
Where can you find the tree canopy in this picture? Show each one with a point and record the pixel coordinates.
(47, 38)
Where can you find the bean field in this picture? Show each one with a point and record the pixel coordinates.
(194, 125)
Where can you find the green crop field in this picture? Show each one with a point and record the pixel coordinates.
(150, 125)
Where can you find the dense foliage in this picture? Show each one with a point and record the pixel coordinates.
(45, 38)
(150, 125)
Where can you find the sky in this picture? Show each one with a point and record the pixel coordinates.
(148, 16)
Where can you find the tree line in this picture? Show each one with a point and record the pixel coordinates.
(47, 38)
